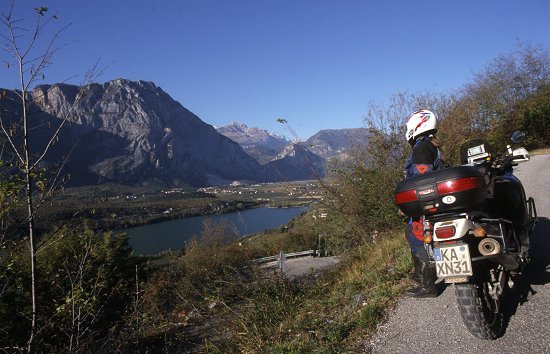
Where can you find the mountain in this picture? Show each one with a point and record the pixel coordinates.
(286, 160)
(132, 132)
(265, 146)
(336, 143)
(296, 162)
(261, 144)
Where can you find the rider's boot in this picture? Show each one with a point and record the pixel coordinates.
(416, 275)
(427, 285)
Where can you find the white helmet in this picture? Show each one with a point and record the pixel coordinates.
(421, 122)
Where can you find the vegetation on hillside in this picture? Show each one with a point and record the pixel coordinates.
(76, 290)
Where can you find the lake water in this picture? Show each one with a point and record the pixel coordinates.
(155, 238)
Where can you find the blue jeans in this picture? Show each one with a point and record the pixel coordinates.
(417, 247)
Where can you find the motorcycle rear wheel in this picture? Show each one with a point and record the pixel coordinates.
(480, 313)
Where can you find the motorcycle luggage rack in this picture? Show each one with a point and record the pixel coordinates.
(474, 216)
(533, 217)
(502, 234)
(445, 216)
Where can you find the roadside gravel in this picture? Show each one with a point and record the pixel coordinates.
(435, 326)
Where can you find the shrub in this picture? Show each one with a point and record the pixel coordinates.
(360, 188)
(195, 290)
(84, 286)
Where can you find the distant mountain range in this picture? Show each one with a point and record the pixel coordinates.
(132, 132)
(261, 144)
(265, 146)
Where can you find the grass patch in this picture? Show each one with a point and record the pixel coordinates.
(542, 151)
(335, 313)
(206, 301)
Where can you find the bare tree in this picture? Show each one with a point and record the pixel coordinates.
(29, 54)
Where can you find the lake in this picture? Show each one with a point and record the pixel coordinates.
(171, 235)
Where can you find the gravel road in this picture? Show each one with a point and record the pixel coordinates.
(435, 326)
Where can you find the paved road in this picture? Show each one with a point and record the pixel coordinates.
(435, 326)
(295, 267)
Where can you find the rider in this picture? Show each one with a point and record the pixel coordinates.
(425, 157)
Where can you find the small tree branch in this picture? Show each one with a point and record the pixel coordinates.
(10, 141)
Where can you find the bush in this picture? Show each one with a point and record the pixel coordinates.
(533, 117)
(504, 96)
(360, 188)
(332, 314)
(193, 291)
(84, 287)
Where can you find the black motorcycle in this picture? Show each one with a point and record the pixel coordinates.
(477, 224)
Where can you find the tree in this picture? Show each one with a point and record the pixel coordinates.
(497, 92)
(512, 92)
(29, 54)
(83, 289)
(360, 188)
(533, 117)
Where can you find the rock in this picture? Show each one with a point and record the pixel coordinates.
(132, 132)
(261, 144)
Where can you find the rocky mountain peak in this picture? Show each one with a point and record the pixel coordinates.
(133, 132)
(297, 162)
(242, 134)
(236, 126)
(335, 143)
(261, 144)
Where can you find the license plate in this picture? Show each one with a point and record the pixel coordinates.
(453, 261)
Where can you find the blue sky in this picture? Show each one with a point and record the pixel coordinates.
(315, 63)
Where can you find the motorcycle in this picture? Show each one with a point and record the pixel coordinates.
(477, 223)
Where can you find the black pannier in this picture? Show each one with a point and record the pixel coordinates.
(449, 190)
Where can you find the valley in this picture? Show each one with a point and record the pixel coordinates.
(115, 206)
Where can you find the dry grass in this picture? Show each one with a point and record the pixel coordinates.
(339, 310)
(542, 151)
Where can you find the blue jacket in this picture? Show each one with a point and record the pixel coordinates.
(425, 157)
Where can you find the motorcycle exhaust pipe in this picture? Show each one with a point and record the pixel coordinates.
(489, 247)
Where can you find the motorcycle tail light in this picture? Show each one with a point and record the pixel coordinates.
(480, 232)
(405, 197)
(459, 185)
(428, 233)
(445, 232)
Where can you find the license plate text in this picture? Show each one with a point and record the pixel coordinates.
(453, 261)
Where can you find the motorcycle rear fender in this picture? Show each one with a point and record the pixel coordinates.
(462, 228)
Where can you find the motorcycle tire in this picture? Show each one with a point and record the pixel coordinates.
(479, 311)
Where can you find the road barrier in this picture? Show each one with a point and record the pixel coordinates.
(285, 256)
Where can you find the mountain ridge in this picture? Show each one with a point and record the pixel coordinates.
(259, 143)
(326, 143)
(133, 132)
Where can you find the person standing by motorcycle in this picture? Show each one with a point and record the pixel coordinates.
(425, 157)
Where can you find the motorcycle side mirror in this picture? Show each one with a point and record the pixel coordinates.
(518, 136)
